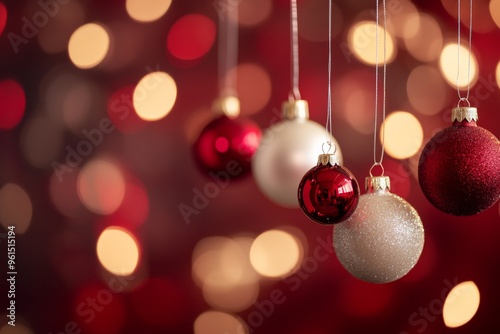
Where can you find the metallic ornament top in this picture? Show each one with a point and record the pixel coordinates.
(297, 109)
(376, 183)
(461, 114)
(328, 159)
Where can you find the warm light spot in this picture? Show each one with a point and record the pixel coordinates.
(54, 37)
(15, 208)
(41, 142)
(118, 251)
(398, 13)
(275, 253)
(448, 64)
(403, 135)
(101, 186)
(12, 105)
(314, 22)
(481, 20)
(147, 10)
(134, 209)
(426, 44)
(215, 322)
(17, 329)
(362, 39)
(495, 11)
(250, 13)
(254, 87)
(234, 298)
(426, 89)
(461, 304)
(154, 96)
(191, 37)
(221, 144)
(498, 74)
(88, 45)
(3, 17)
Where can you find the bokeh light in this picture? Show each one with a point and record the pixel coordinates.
(191, 37)
(233, 298)
(427, 42)
(498, 74)
(361, 40)
(88, 45)
(18, 328)
(403, 134)
(448, 63)
(275, 253)
(41, 141)
(399, 12)
(426, 90)
(461, 304)
(13, 103)
(147, 10)
(54, 36)
(118, 251)
(15, 208)
(495, 11)
(101, 186)
(3, 17)
(134, 209)
(154, 96)
(215, 322)
(314, 23)
(253, 85)
(482, 21)
(63, 193)
(250, 13)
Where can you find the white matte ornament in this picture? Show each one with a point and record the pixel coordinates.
(287, 151)
(383, 240)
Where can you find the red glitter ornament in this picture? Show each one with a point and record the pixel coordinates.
(227, 144)
(459, 168)
(328, 193)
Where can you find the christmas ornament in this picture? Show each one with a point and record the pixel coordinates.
(227, 144)
(290, 147)
(286, 153)
(459, 168)
(328, 193)
(382, 241)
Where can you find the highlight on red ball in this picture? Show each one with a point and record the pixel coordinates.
(191, 37)
(13, 104)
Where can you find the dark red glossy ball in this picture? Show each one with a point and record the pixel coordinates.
(328, 194)
(227, 145)
(459, 169)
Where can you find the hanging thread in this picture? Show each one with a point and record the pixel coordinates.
(459, 42)
(294, 38)
(228, 52)
(384, 90)
(328, 126)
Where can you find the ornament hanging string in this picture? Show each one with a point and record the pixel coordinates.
(228, 52)
(294, 38)
(459, 42)
(378, 162)
(328, 126)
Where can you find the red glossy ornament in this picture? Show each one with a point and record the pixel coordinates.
(328, 193)
(227, 144)
(459, 168)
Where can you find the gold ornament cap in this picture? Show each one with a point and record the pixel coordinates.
(461, 114)
(376, 183)
(325, 159)
(296, 109)
(227, 105)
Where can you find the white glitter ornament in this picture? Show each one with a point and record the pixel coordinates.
(383, 240)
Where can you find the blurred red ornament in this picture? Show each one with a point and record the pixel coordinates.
(459, 168)
(328, 193)
(227, 144)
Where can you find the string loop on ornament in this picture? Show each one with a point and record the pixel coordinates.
(228, 53)
(379, 165)
(465, 100)
(328, 125)
(330, 145)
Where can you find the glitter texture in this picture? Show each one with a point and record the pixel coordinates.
(459, 169)
(382, 241)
